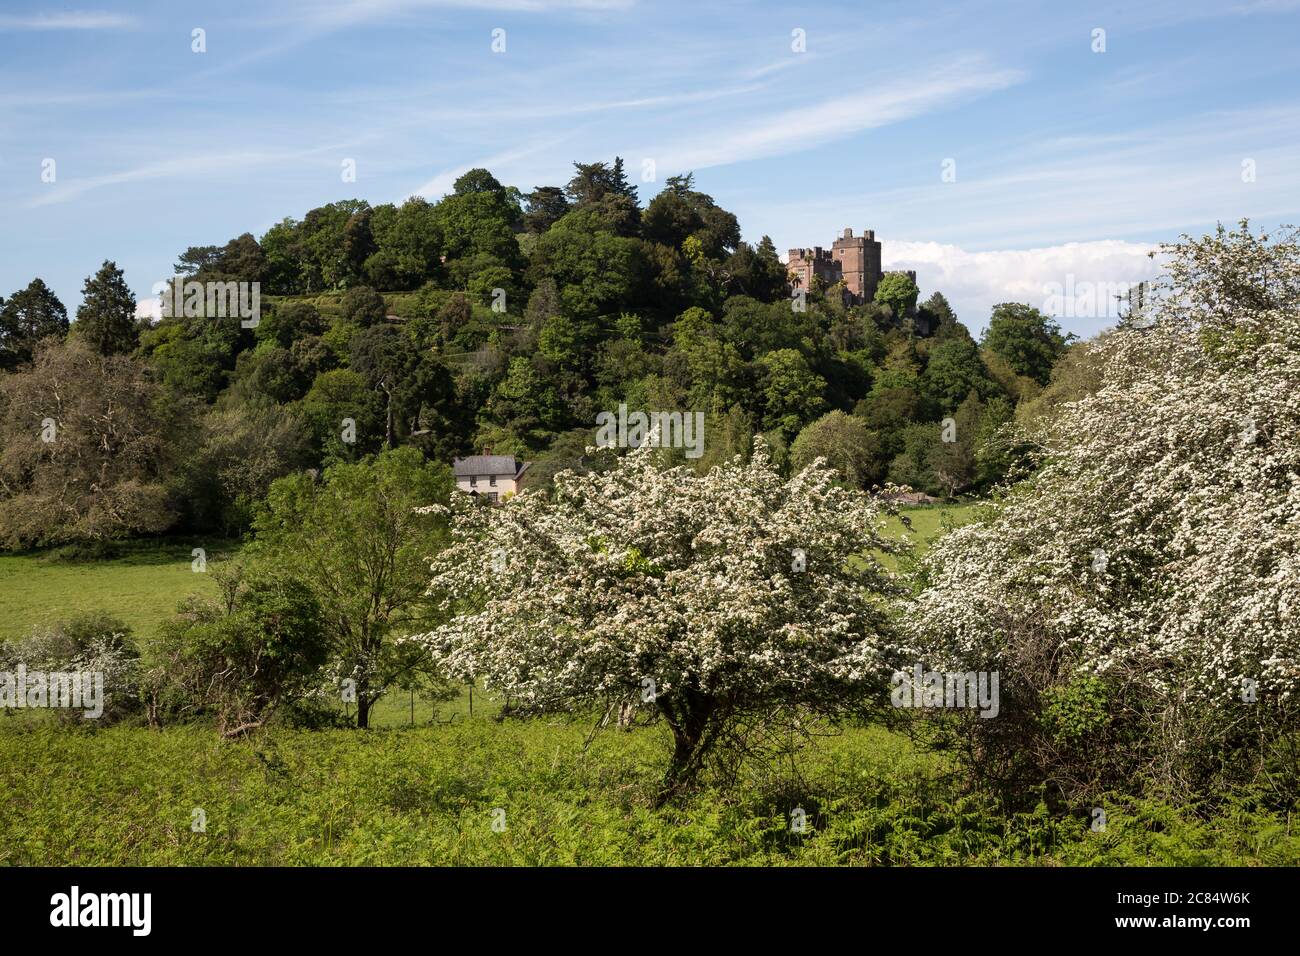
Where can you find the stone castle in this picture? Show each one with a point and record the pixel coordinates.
(853, 260)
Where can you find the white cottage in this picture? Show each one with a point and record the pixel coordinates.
(490, 475)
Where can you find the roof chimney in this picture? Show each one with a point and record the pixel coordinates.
(848, 232)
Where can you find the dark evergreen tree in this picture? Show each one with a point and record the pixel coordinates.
(28, 316)
(106, 318)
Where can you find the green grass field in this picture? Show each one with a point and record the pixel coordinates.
(427, 794)
(928, 521)
(129, 796)
(142, 586)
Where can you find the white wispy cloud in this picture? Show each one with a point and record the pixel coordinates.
(973, 282)
(66, 20)
(500, 165)
(321, 14)
(205, 166)
(804, 127)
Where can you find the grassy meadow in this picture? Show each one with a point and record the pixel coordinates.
(424, 786)
(141, 585)
(430, 795)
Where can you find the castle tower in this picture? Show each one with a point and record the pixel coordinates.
(859, 261)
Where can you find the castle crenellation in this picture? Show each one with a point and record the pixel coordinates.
(853, 260)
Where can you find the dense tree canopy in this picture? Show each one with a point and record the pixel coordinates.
(1029, 341)
(491, 318)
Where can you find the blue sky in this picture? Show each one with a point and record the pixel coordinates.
(1070, 164)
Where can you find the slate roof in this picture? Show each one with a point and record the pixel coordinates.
(488, 465)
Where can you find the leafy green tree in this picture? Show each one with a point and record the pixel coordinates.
(887, 410)
(409, 243)
(846, 444)
(705, 364)
(526, 403)
(543, 303)
(618, 364)
(937, 315)
(270, 373)
(358, 246)
(1027, 339)
(197, 260)
(755, 327)
(912, 466)
(286, 273)
(363, 306)
(342, 405)
(792, 392)
(758, 272)
(899, 292)
(547, 205)
(106, 317)
(359, 542)
(326, 246)
(604, 191)
(245, 447)
(292, 321)
(953, 371)
(241, 259)
(670, 218)
(995, 449)
(186, 361)
(397, 373)
(241, 657)
(595, 271)
(953, 463)
(560, 341)
(26, 317)
(592, 182)
(478, 221)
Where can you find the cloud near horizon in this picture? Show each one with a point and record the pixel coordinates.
(974, 282)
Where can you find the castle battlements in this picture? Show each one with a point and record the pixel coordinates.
(853, 260)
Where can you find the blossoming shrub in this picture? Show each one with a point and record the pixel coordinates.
(92, 643)
(1141, 593)
(718, 601)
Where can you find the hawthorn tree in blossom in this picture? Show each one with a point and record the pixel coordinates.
(721, 600)
(1141, 592)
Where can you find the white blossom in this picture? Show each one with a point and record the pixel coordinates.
(1201, 586)
(686, 579)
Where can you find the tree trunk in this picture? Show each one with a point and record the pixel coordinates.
(363, 711)
(692, 737)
